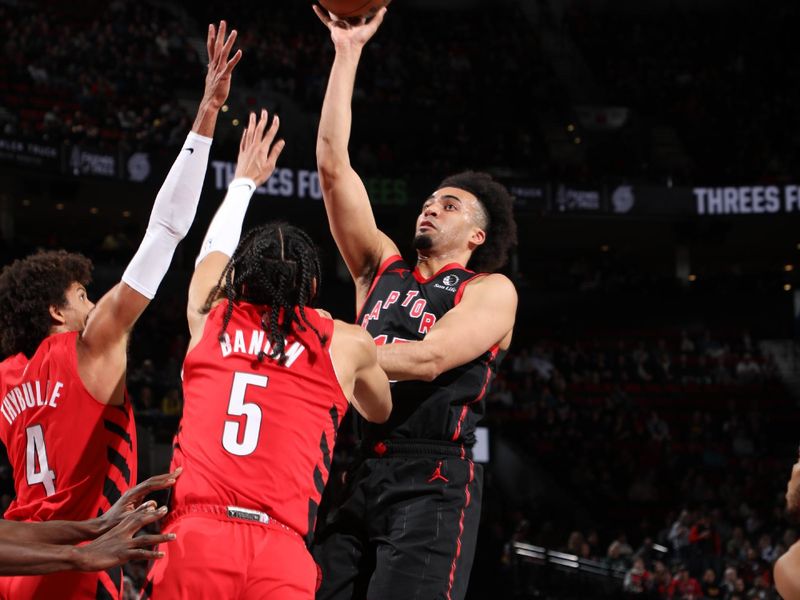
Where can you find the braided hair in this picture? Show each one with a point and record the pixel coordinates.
(275, 265)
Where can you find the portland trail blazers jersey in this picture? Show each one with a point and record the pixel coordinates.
(400, 307)
(72, 456)
(258, 435)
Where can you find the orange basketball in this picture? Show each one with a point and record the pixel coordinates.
(348, 9)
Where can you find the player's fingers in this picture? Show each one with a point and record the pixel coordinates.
(263, 119)
(275, 151)
(157, 482)
(218, 43)
(148, 541)
(138, 519)
(226, 49)
(243, 142)
(233, 62)
(378, 18)
(212, 36)
(142, 554)
(269, 137)
(251, 129)
(323, 15)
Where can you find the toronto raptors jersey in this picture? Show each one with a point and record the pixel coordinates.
(72, 456)
(258, 435)
(402, 306)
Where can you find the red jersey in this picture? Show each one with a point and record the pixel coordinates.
(72, 455)
(258, 435)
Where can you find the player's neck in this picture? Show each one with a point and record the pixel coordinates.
(430, 264)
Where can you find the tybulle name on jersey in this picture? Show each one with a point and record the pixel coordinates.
(29, 394)
(253, 342)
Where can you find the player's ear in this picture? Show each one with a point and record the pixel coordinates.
(477, 238)
(57, 315)
(313, 288)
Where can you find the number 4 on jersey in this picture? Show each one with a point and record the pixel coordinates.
(37, 455)
(251, 411)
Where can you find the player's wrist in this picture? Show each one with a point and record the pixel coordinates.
(349, 49)
(77, 559)
(94, 528)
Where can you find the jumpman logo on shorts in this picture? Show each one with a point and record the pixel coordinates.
(437, 474)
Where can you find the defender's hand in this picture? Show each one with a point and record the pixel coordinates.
(257, 153)
(119, 545)
(131, 499)
(354, 33)
(220, 67)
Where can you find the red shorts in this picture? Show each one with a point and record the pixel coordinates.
(217, 556)
(73, 585)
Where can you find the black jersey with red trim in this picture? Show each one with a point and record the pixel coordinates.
(402, 306)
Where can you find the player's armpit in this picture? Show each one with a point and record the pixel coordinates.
(483, 318)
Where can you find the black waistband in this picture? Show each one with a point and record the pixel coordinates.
(387, 448)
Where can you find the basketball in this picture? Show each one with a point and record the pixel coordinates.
(348, 9)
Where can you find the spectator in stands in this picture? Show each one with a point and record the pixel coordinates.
(575, 543)
(711, 589)
(615, 559)
(679, 534)
(657, 428)
(638, 580)
(684, 586)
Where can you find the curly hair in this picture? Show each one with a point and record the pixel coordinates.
(501, 229)
(28, 288)
(275, 265)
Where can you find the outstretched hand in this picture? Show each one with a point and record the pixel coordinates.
(119, 545)
(220, 66)
(129, 501)
(257, 153)
(352, 33)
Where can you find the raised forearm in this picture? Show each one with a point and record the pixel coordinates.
(206, 119)
(410, 361)
(337, 115)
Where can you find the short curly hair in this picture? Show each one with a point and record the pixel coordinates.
(501, 231)
(28, 288)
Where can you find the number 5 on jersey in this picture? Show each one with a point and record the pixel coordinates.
(237, 407)
(37, 455)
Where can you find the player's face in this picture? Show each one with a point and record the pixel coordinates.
(793, 492)
(450, 220)
(75, 311)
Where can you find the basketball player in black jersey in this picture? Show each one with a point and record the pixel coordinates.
(406, 524)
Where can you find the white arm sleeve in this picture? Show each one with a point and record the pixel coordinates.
(226, 226)
(171, 218)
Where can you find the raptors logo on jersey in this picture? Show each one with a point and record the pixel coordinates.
(258, 434)
(402, 306)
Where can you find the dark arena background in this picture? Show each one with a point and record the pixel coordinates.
(642, 429)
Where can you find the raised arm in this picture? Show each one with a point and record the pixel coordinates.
(103, 343)
(352, 223)
(257, 158)
(484, 317)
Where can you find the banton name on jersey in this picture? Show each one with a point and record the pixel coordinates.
(258, 342)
